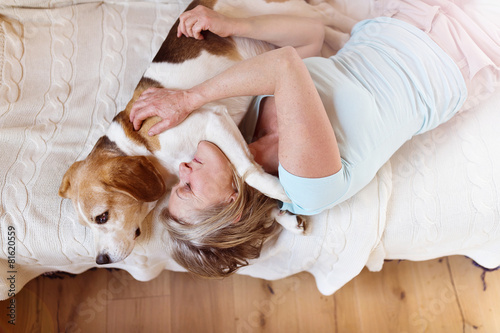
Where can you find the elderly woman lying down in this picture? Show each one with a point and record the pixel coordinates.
(325, 126)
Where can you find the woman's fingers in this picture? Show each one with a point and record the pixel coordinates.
(186, 27)
(146, 93)
(139, 102)
(142, 113)
(160, 127)
(193, 22)
(166, 123)
(194, 27)
(173, 106)
(182, 28)
(197, 29)
(186, 22)
(189, 26)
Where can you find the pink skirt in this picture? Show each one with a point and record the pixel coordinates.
(470, 40)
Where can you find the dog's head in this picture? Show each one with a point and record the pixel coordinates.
(113, 195)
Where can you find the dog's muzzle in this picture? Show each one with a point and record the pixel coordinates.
(102, 259)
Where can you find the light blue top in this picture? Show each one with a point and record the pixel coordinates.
(389, 83)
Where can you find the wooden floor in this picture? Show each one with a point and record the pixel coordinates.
(446, 295)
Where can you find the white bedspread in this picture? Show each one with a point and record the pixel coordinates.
(66, 69)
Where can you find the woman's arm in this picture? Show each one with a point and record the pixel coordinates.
(307, 143)
(306, 35)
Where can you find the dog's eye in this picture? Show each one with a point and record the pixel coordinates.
(103, 218)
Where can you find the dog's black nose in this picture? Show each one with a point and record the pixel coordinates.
(137, 233)
(102, 259)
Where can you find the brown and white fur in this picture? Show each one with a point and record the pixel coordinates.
(127, 172)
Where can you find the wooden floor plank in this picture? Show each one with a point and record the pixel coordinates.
(480, 306)
(346, 309)
(315, 312)
(124, 286)
(138, 315)
(381, 300)
(31, 313)
(284, 317)
(67, 304)
(444, 295)
(86, 298)
(435, 305)
(252, 303)
(407, 297)
(266, 306)
(200, 305)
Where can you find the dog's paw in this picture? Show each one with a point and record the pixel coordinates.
(294, 223)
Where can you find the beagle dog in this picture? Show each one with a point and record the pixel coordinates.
(127, 172)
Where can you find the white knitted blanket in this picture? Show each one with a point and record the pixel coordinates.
(67, 68)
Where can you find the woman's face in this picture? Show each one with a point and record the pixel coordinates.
(204, 182)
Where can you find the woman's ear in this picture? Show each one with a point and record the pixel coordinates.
(232, 199)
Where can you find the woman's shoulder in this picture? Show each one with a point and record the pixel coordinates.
(310, 196)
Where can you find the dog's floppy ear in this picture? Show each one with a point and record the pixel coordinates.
(136, 176)
(65, 188)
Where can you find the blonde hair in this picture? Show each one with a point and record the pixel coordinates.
(223, 238)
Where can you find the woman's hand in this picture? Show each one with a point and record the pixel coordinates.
(307, 37)
(173, 106)
(201, 18)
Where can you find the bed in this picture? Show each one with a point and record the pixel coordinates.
(67, 67)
